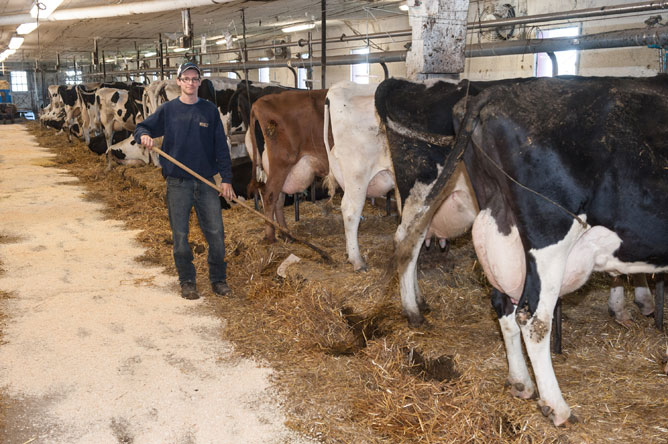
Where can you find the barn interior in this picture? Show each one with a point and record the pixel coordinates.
(348, 366)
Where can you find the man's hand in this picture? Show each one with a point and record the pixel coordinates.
(227, 191)
(147, 141)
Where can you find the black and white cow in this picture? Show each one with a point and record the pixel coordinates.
(118, 109)
(569, 175)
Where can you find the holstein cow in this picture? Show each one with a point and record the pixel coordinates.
(580, 188)
(287, 141)
(359, 160)
(68, 97)
(118, 110)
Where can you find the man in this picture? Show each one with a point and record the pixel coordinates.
(194, 135)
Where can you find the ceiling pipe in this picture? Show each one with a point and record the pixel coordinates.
(616, 39)
(96, 12)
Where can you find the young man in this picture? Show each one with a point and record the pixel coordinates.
(194, 135)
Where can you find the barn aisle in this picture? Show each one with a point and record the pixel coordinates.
(97, 348)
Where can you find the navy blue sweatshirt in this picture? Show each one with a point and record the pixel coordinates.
(193, 135)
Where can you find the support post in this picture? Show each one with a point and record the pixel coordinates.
(439, 38)
(323, 39)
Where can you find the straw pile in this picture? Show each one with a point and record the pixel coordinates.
(348, 366)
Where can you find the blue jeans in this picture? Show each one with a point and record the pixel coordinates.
(182, 195)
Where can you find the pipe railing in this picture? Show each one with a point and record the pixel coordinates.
(655, 37)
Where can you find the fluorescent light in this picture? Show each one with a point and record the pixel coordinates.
(6, 53)
(221, 42)
(296, 28)
(403, 7)
(49, 7)
(180, 49)
(150, 54)
(26, 28)
(15, 42)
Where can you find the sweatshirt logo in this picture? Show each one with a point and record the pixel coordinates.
(204, 124)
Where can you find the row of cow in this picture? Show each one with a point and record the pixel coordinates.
(557, 178)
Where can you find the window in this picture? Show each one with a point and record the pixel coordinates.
(360, 73)
(263, 73)
(232, 75)
(566, 60)
(73, 77)
(302, 76)
(19, 81)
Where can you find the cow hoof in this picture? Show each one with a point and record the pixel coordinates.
(572, 420)
(519, 390)
(415, 320)
(361, 269)
(424, 307)
(545, 409)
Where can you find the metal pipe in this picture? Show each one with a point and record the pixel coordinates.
(323, 47)
(615, 39)
(580, 13)
(294, 73)
(145, 7)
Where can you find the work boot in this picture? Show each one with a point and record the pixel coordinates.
(189, 291)
(221, 288)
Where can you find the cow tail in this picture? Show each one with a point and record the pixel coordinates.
(330, 180)
(253, 185)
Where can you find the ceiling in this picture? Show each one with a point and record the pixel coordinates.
(119, 34)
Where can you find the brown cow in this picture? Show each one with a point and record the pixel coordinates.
(288, 149)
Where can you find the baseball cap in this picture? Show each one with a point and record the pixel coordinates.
(186, 66)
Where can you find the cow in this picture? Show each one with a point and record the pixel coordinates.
(359, 160)
(287, 145)
(569, 177)
(158, 93)
(53, 118)
(70, 101)
(117, 110)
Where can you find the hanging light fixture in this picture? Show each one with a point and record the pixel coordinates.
(15, 42)
(302, 27)
(26, 28)
(44, 8)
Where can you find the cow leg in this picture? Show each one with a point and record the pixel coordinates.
(519, 379)
(563, 265)
(278, 210)
(352, 204)
(643, 296)
(271, 197)
(616, 306)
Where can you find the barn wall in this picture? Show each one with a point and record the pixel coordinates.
(634, 61)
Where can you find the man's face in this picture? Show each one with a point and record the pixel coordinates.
(189, 81)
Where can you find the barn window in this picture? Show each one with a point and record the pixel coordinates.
(302, 76)
(19, 80)
(73, 77)
(232, 75)
(359, 73)
(567, 61)
(263, 73)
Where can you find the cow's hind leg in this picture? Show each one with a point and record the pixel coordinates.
(519, 379)
(352, 204)
(643, 296)
(545, 274)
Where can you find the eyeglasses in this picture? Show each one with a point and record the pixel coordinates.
(189, 79)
